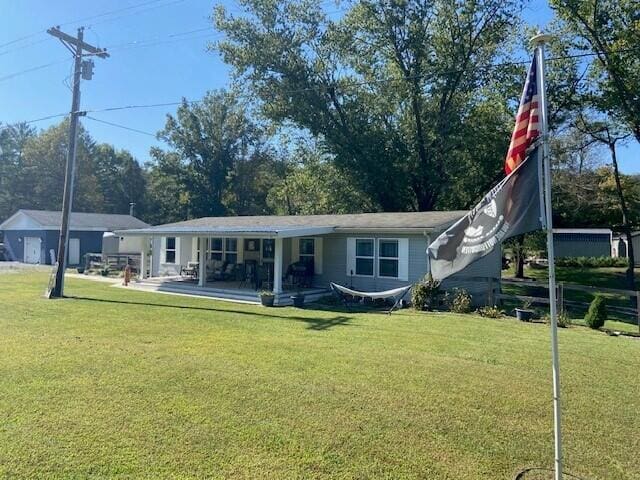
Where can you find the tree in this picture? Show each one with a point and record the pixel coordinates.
(44, 171)
(609, 28)
(610, 135)
(121, 179)
(312, 185)
(399, 91)
(216, 148)
(32, 171)
(12, 142)
(166, 198)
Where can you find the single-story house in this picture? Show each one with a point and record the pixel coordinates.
(582, 242)
(31, 236)
(368, 252)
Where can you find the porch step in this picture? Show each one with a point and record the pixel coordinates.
(249, 296)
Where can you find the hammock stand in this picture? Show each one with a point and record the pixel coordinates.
(397, 294)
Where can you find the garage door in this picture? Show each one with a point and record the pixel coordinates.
(32, 249)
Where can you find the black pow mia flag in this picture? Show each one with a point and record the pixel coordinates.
(511, 208)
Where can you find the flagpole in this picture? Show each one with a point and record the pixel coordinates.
(538, 41)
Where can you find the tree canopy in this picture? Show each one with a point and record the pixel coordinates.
(402, 93)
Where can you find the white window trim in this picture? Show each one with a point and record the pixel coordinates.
(356, 257)
(300, 254)
(380, 257)
(174, 250)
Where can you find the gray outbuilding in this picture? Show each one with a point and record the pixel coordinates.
(31, 236)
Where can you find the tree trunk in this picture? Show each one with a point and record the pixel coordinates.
(631, 281)
(519, 255)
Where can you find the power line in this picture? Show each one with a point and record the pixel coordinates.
(92, 17)
(41, 119)
(26, 45)
(350, 84)
(106, 14)
(164, 39)
(32, 69)
(124, 127)
(134, 13)
(175, 37)
(356, 83)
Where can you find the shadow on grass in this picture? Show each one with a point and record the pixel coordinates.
(314, 323)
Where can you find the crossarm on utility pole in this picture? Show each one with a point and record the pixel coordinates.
(78, 43)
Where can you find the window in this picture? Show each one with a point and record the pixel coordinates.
(364, 257)
(231, 250)
(216, 248)
(170, 250)
(268, 248)
(388, 258)
(252, 244)
(307, 251)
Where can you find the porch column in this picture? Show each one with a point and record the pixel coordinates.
(143, 259)
(202, 265)
(277, 266)
(156, 247)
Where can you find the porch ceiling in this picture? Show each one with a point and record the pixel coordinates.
(243, 232)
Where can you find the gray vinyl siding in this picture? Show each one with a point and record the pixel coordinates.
(581, 245)
(183, 256)
(334, 268)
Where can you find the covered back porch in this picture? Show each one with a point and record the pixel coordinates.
(233, 263)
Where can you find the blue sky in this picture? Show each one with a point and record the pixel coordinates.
(165, 64)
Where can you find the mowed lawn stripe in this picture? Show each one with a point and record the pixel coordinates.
(118, 383)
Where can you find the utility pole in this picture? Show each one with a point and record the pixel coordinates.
(82, 69)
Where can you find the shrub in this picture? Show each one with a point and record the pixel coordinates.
(458, 300)
(424, 295)
(490, 312)
(564, 321)
(591, 262)
(597, 314)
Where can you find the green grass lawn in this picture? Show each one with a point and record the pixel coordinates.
(608, 277)
(121, 384)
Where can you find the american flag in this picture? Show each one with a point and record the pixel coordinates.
(527, 127)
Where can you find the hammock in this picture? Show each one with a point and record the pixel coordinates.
(397, 293)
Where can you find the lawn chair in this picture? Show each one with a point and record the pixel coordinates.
(191, 270)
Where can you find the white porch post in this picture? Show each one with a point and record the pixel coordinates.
(202, 265)
(156, 248)
(143, 258)
(277, 267)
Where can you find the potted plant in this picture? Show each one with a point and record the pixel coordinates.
(525, 313)
(267, 298)
(298, 299)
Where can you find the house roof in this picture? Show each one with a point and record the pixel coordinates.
(300, 225)
(46, 219)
